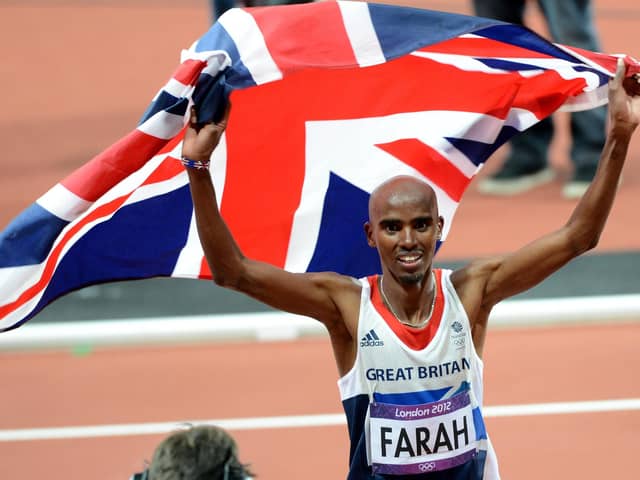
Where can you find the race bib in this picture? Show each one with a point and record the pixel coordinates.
(413, 439)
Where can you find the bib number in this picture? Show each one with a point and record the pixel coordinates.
(413, 439)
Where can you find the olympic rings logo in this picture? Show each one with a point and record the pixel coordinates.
(427, 467)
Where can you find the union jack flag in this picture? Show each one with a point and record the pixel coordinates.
(329, 100)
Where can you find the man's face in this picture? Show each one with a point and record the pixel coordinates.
(404, 226)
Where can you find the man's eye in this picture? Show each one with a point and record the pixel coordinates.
(392, 227)
(421, 225)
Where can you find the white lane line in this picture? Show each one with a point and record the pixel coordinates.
(298, 421)
(280, 326)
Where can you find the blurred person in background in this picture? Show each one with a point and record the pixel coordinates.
(203, 452)
(218, 7)
(570, 22)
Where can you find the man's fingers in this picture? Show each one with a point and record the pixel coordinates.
(193, 118)
(620, 71)
(227, 111)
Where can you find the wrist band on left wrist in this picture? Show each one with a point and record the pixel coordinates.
(195, 164)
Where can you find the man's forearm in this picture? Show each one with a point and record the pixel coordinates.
(221, 250)
(590, 215)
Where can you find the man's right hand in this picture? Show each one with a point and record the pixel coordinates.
(624, 102)
(201, 140)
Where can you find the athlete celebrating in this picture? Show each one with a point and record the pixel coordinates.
(408, 343)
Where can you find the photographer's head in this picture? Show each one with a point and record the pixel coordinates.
(197, 453)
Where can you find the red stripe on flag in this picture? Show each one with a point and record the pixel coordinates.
(429, 163)
(557, 89)
(266, 134)
(188, 71)
(168, 168)
(171, 144)
(117, 162)
(264, 179)
(325, 43)
(482, 47)
(205, 271)
(52, 260)
(608, 62)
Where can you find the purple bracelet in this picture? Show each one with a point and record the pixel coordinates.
(196, 164)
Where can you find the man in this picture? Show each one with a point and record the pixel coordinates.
(408, 343)
(204, 452)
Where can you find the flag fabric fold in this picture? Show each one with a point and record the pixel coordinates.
(329, 100)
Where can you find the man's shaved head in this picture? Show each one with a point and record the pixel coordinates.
(401, 189)
(404, 226)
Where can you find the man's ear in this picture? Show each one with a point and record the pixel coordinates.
(440, 226)
(368, 230)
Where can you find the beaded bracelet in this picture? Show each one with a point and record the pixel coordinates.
(197, 164)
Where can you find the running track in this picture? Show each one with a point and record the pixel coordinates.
(99, 54)
(235, 381)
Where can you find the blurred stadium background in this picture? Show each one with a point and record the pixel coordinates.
(76, 76)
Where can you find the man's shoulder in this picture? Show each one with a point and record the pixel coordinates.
(337, 281)
(477, 270)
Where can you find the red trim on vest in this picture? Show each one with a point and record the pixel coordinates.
(414, 338)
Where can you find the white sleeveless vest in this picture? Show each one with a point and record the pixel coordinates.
(415, 410)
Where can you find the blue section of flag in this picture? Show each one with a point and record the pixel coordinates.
(403, 30)
(508, 65)
(342, 243)
(162, 102)
(523, 37)
(144, 249)
(211, 97)
(479, 152)
(27, 240)
(604, 79)
(217, 38)
(179, 108)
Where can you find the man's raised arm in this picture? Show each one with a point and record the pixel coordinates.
(327, 297)
(486, 282)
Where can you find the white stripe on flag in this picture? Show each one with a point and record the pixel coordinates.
(461, 62)
(33, 275)
(361, 32)
(163, 125)
(520, 119)
(178, 89)
(251, 44)
(215, 60)
(14, 281)
(587, 100)
(586, 60)
(341, 146)
(63, 203)
(190, 258)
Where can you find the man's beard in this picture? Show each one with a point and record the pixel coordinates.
(412, 279)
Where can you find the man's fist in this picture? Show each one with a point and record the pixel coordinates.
(632, 85)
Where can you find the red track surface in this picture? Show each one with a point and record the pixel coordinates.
(298, 378)
(75, 78)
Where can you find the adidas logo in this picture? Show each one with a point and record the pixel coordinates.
(371, 339)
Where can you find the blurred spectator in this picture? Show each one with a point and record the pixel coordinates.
(570, 22)
(218, 7)
(198, 453)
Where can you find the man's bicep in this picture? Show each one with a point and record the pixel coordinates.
(525, 268)
(309, 294)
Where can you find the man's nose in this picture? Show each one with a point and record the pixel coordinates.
(408, 238)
